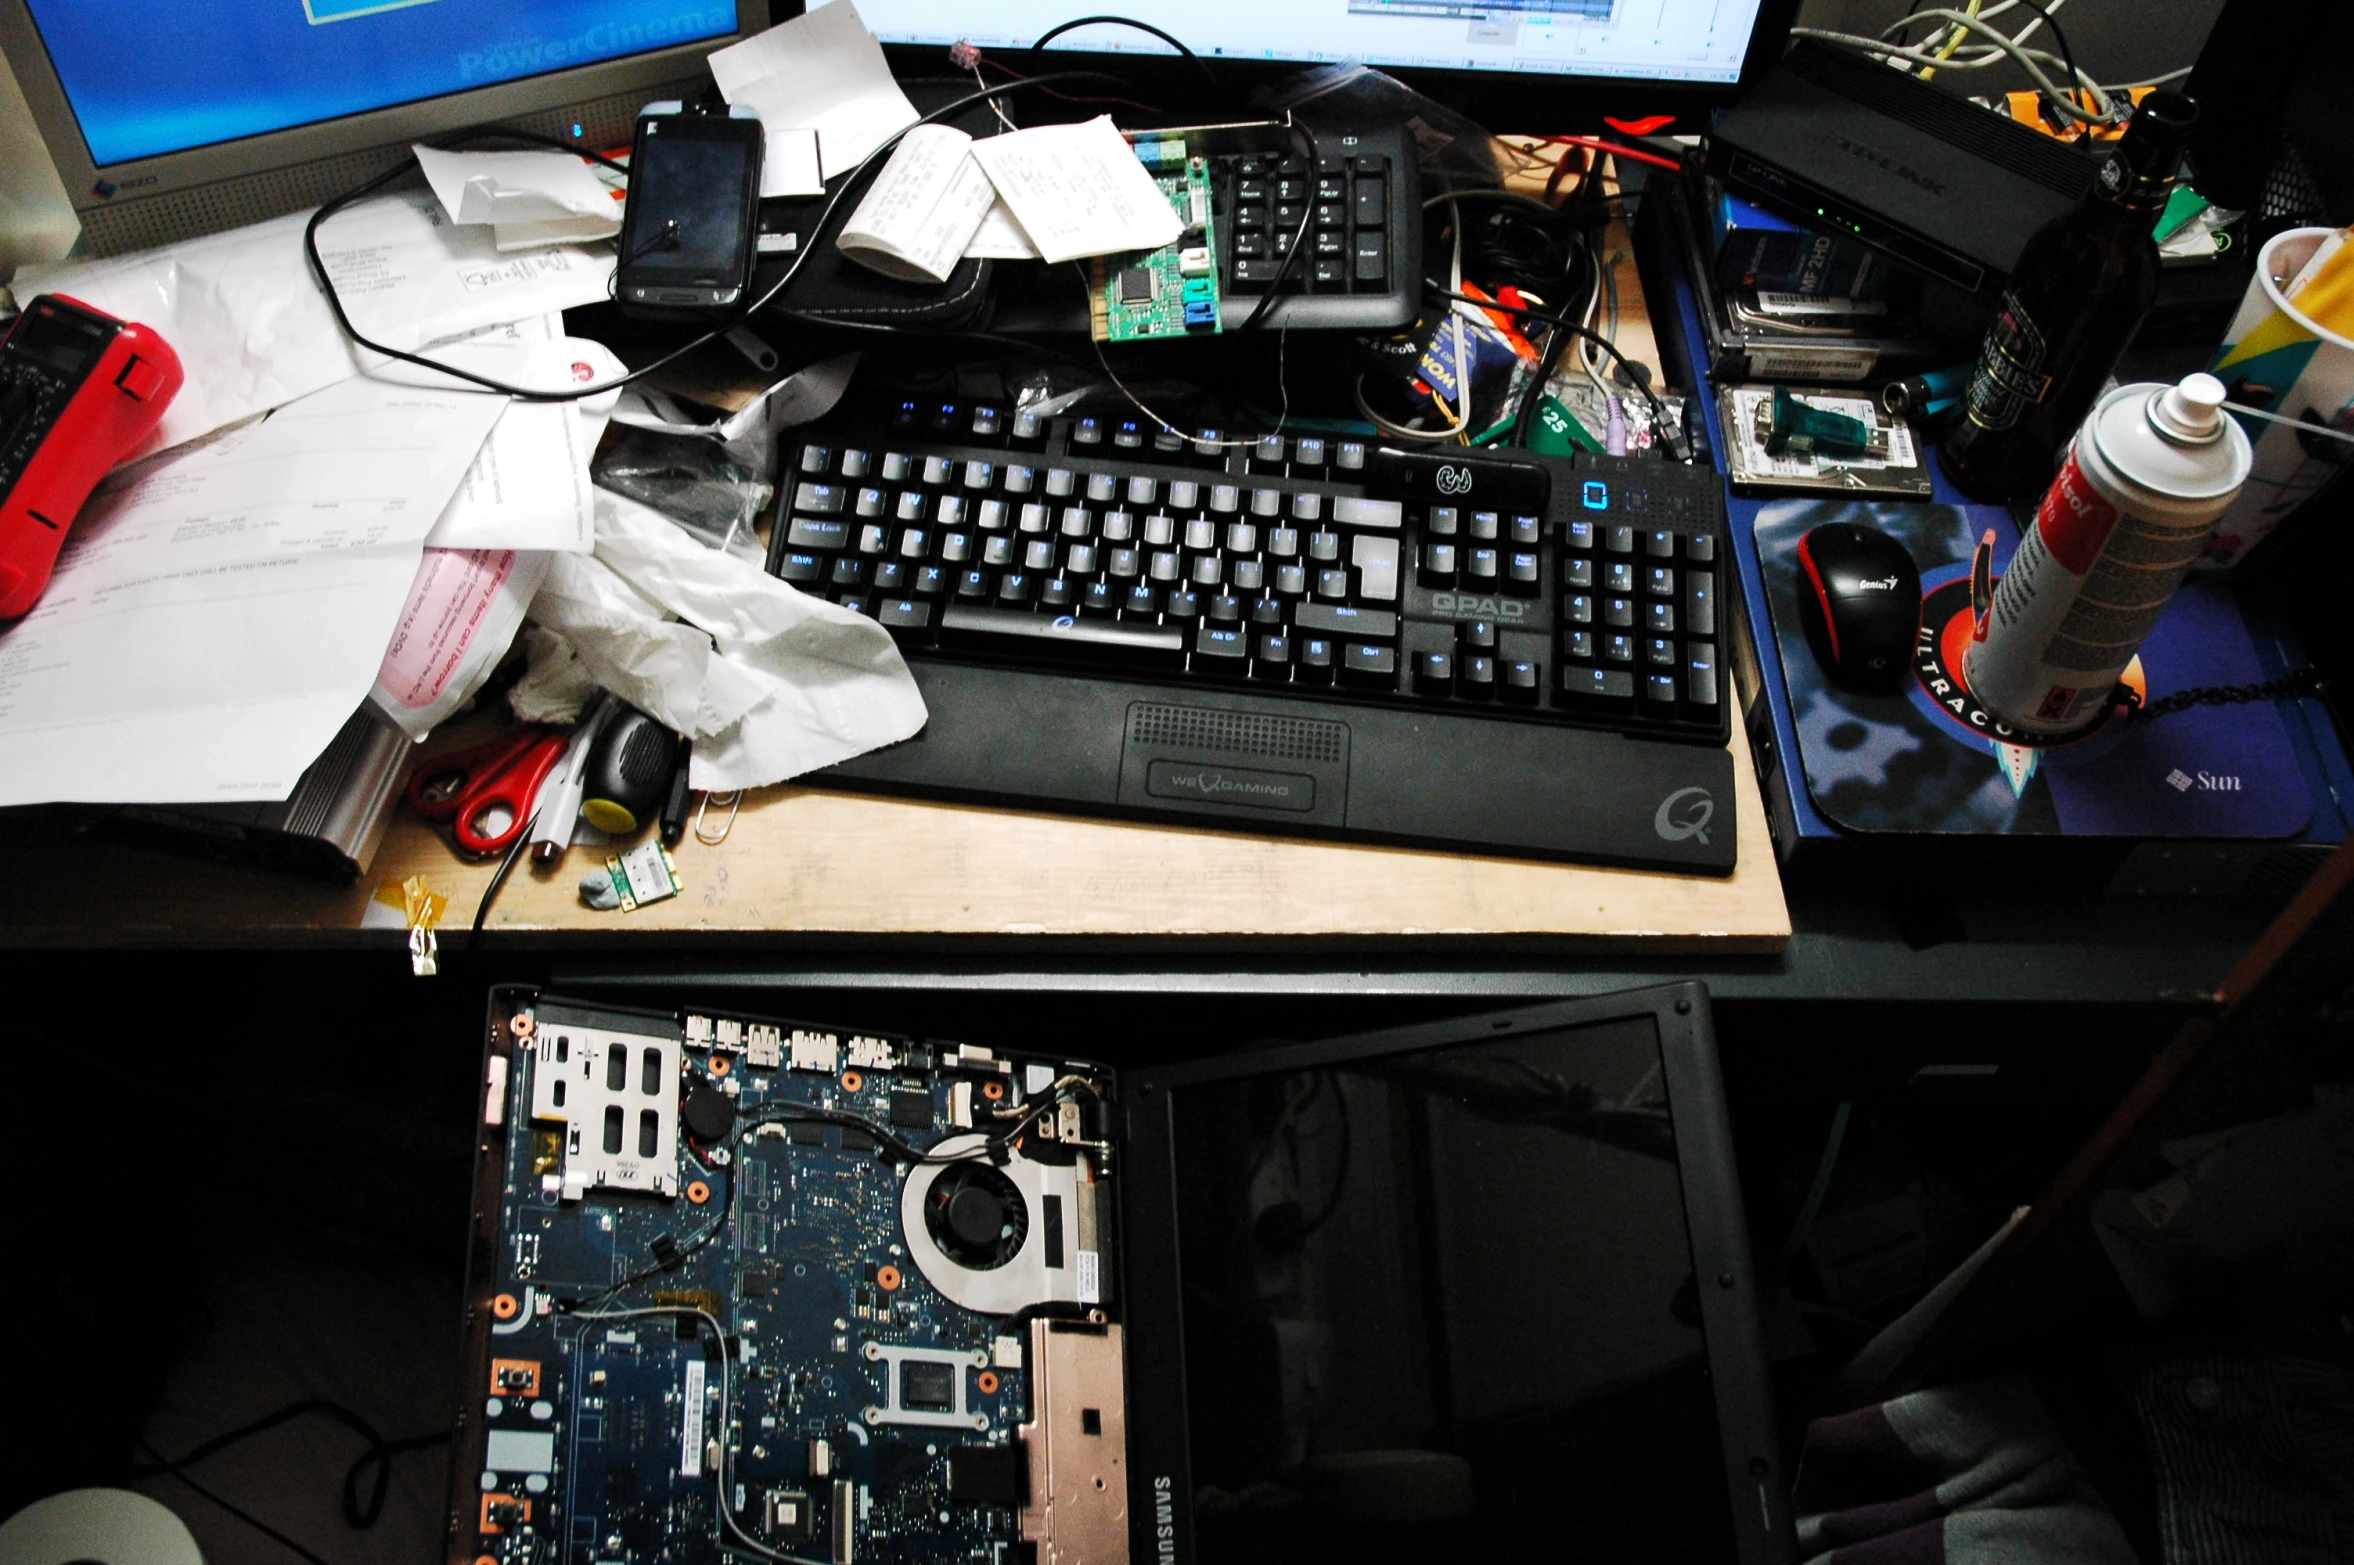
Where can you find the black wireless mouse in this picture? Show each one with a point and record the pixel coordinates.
(1859, 596)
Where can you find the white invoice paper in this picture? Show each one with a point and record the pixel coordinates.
(218, 614)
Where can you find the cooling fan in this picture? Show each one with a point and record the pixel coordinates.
(1005, 1237)
(976, 1216)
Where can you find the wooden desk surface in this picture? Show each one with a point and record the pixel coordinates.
(801, 864)
(806, 866)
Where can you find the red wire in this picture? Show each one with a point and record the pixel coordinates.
(1656, 160)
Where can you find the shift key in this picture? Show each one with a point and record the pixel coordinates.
(1328, 619)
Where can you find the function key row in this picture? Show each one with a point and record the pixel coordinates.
(1128, 440)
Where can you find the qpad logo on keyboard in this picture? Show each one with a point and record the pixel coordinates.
(1465, 605)
(1452, 480)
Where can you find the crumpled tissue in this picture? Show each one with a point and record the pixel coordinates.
(768, 681)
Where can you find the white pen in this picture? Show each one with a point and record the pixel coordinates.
(559, 808)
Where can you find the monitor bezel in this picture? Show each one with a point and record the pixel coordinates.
(1503, 102)
(249, 156)
(1159, 1435)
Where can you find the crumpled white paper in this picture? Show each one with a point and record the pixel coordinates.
(750, 435)
(516, 187)
(631, 646)
(770, 682)
(556, 686)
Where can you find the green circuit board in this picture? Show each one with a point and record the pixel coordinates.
(1171, 291)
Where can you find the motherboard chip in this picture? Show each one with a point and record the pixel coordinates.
(911, 1110)
(987, 1475)
(926, 1386)
(788, 1516)
(1135, 285)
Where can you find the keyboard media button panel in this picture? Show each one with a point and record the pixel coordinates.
(1325, 565)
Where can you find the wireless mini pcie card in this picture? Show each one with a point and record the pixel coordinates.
(1171, 291)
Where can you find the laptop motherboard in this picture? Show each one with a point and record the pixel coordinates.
(753, 1289)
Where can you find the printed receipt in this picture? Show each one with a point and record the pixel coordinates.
(218, 614)
(1077, 190)
(922, 210)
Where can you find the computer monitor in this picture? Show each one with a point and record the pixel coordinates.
(169, 120)
(1538, 66)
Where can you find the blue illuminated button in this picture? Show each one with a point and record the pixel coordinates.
(1596, 495)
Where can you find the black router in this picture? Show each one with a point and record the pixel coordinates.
(1944, 186)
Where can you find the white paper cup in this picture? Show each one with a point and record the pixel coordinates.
(2276, 359)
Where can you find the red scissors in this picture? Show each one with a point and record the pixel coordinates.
(488, 793)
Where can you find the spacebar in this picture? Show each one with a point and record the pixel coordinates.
(1052, 635)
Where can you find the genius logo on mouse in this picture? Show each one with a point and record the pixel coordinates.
(1684, 815)
(1453, 480)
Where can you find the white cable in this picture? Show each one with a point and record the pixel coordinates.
(2015, 45)
(727, 1512)
(1999, 48)
(1282, 384)
(993, 103)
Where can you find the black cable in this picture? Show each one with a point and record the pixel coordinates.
(906, 1151)
(1541, 250)
(372, 1468)
(808, 1113)
(326, 285)
(502, 133)
(1638, 373)
(1299, 238)
(2298, 684)
(664, 237)
(506, 868)
(1340, 1162)
(1171, 39)
(1532, 395)
(668, 1263)
(242, 1514)
(2075, 76)
(1802, 1226)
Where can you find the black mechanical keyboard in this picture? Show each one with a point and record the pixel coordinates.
(1298, 633)
(1361, 204)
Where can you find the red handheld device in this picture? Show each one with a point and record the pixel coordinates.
(78, 391)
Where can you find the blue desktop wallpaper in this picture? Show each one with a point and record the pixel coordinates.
(146, 78)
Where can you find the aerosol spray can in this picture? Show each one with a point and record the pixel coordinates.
(2145, 479)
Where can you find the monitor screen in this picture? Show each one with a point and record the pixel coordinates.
(1697, 41)
(1442, 1305)
(145, 79)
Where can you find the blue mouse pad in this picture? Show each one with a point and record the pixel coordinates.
(1931, 760)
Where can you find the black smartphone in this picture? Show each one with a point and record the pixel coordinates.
(690, 228)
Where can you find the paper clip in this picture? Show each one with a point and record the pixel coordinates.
(734, 800)
(424, 907)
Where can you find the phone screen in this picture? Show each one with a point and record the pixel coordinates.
(698, 182)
